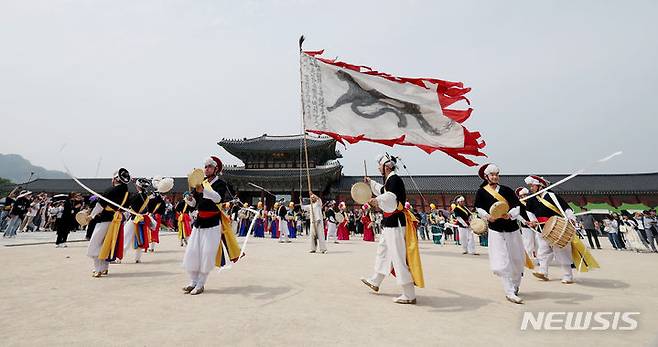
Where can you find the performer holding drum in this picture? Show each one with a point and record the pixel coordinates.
(499, 205)
(466, 236)
(540, 209)
(398, 243)
(212, 227)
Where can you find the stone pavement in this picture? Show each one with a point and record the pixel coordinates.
(279, 294)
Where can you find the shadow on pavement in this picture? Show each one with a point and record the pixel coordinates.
(141, 274)
(602, 283)
(556, 297)
(254, 291)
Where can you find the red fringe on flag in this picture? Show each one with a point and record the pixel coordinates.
(448, 93)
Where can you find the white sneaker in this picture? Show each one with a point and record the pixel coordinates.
(404, 300)
(513, 298)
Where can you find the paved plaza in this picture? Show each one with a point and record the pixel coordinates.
(279, 294)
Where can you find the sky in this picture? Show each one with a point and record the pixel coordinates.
(153, 85)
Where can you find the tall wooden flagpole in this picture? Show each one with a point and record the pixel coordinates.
(308, 170)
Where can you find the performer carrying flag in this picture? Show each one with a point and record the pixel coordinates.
(398, 244)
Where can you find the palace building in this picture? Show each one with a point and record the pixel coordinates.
(277, 164)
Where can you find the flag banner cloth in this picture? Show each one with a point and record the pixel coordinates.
(354, 103)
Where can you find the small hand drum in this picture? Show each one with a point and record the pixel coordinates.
(478, 225)
(340, 218)
(499, 209)
(361, 193)
(195, 178)
(82, 217)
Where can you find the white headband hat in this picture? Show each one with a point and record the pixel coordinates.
(491, 168)
(460, 198)
(536, 180)
(385, 158)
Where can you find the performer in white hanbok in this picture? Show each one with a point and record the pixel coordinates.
(506, 252)
(106, 243)
(211, 227)
(528, 234)
(317, 228)
(466, 236)
(332, 223)
(540, 208)
(398, 245)
(136, 229)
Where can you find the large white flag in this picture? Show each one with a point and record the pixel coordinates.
(355, 103)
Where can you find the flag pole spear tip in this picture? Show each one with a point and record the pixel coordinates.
(301, 42)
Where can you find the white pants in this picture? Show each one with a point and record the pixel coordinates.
(129, 240)
(317, 237)
(201, 250)
(392, 251)
(97, 238)
(562, 256)
(467, 239)
(283, 230)
(95, 244)
(332, 231)
(529, 243)
(507, 258)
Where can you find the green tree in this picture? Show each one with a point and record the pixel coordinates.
(5, 186)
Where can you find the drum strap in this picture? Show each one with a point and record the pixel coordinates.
(495, 194)
(550, 205)
(156, 207)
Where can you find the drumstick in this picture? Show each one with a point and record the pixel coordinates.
(365, 168)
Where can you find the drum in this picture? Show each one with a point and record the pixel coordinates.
(361, 193)
(499, 209)
(82, 217)
(478, 225)
(166, 184)
(195, 178)
(340, 217)
(558, 231)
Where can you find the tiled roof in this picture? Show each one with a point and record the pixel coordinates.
(268, 143)
(614, 184)
(645, 183)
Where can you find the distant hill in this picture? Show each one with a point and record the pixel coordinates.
(17, 169)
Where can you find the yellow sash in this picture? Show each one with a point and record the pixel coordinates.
(580, 256)
(463, 209)
(411, 243)
(549, 205)
(181, 224)
(232, 247)
(495, 194)
(112, 235)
